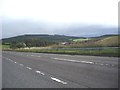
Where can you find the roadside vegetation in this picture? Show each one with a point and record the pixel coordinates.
(112, 52)
(98, 46)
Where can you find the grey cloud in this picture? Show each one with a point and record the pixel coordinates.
(20, 27)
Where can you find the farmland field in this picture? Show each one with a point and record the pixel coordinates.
(78, 40)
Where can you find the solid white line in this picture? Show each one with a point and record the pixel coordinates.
(57, 80)
(38, 56)
(66, 60)
(74, 60)
(32, 55)
(35, 55)
(106, 64)
(64, 55)
(87, 62)
(40, 72)
(29, 68)
(80, 61)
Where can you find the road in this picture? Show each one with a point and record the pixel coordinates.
(39, 70)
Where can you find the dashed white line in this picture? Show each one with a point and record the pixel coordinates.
(106, 64)
(15, 62)
(40, 72)
(101, 64)
(113, 65)
(21, 65)
(11, 60)
(57, 80)
(29, 68)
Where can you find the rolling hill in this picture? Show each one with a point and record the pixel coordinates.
(105, 40)
(43, 37)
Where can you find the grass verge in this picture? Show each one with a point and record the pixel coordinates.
(111, 52)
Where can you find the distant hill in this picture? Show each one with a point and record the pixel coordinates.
(46, 40)
(109, 41)
(99, 41)
(43, 37)
(105, 36)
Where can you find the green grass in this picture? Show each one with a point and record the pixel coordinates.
(109, 41)
(0, 46)
(104, 52)
(78, 40)
(5, 46)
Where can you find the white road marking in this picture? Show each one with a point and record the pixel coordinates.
(96, 63)
(74, 60)
(113, 65)
(64, 55)
(10, 60)
(87, 62)
(101, 64)
(21, 65)
(15, 62)
(38, 56)
(57, 80)
(40, 72)
(66, 60)
(32, 55)
(35, 55)
(106, 64)
(29, 68)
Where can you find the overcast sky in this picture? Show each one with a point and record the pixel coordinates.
(69, 17)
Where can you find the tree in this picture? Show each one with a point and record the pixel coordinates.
(21, 45)
(28, 43)
(13, 45)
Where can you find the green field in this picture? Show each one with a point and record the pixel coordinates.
(109, 41)
(0, 46)
(5, 46)
(112, 52)
(95, 42)
(78, 40)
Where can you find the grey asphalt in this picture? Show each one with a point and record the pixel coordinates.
(39, 70)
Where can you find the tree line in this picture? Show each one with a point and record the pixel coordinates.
(31, 43)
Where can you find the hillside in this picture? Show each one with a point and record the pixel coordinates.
(74, 42)
(43, 37)
(109, 41)
(101, 41)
